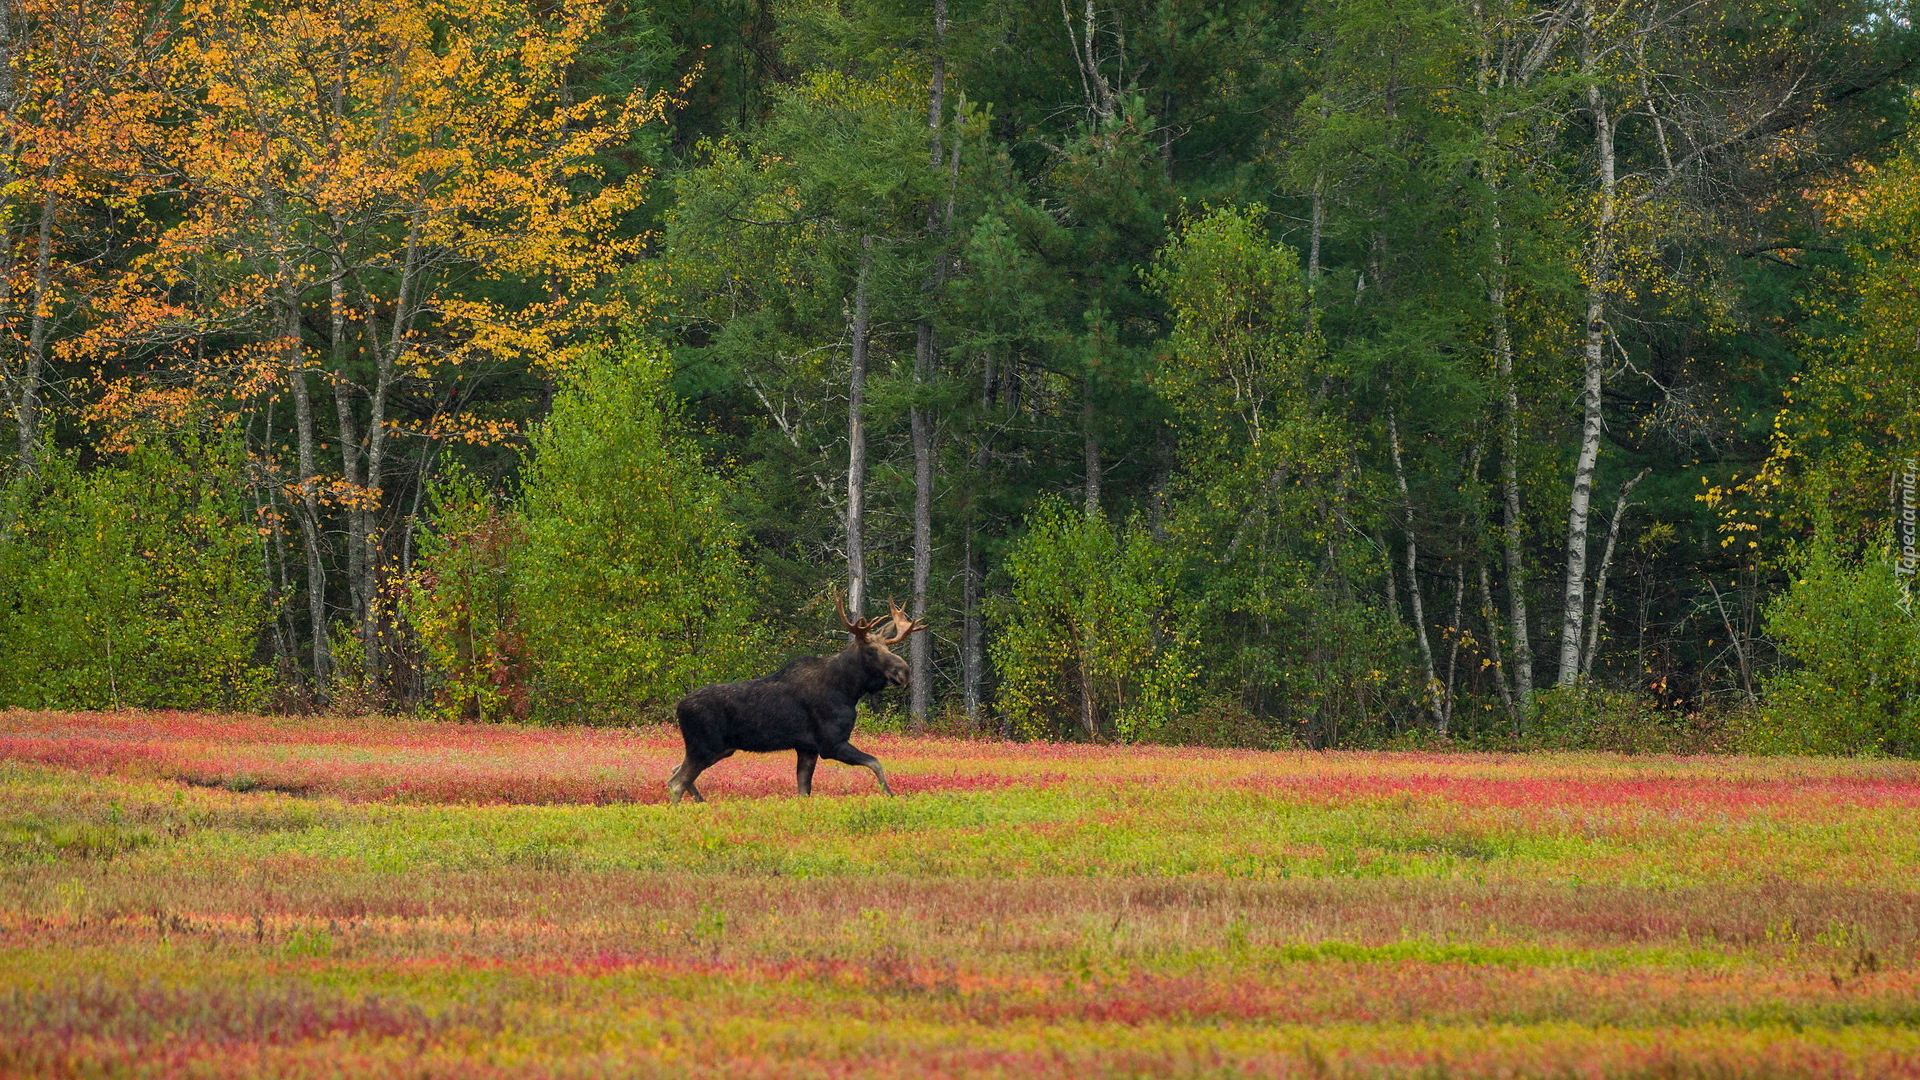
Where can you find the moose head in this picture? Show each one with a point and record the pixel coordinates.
(875, 649)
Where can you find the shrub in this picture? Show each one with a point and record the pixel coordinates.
(1853, 684)
(1595, 717)
(616, 584)
(138, 584)
(460, 604)
(1084, 643)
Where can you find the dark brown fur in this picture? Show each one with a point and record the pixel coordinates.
(807, 707)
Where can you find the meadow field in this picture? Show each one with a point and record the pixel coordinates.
(194, 895)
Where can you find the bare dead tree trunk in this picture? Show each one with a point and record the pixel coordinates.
(9, 107)
(1453, 649)
(1490, 615)
(857, 438)
(1089, 716)
(1318, 231)
(1413, 575)
(1091, 444)
(1510, 531)
(1455, 631)
(920, 650)
(352, 458)
(309, 491)
(273, 550)
(1599, 282)
(1512, 536)
(1620, 508)
(26, 413)
(973, 630)
(1516, 67)
(368, 535)
(1316, 234)
(1101, 100)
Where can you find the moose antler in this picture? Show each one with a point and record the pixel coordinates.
(902, 625)
(859, 628)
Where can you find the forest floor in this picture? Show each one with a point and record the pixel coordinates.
(191, 895)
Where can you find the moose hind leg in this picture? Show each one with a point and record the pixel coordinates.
(853, 755)
(803, 770)
(681, 782)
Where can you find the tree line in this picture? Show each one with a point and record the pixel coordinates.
(1321, 372)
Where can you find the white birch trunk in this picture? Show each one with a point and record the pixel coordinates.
(1620, 508)
(1599, 283)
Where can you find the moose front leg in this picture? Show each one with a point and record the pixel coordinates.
(852, 755)
(803, 770)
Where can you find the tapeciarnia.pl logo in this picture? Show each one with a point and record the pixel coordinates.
(1907, 560)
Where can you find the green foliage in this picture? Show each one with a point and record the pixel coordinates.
(1242, 354)
(1855, 686)
(616, 583)
(1263, 561)
(136, 584)
(1084, 642)
(630, 588)
(460, 604)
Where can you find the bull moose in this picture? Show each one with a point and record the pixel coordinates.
(807, 706)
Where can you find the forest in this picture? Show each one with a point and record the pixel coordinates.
(1264, 373)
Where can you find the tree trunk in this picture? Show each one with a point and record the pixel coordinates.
(1316, 234)
(1091, 445)
(1620, 508)
(1413, 576)
(1455, 628)
(973, 632)
(857, 439)
(309, 495)
(1599, 281)
(9, 107)
(1514, 541)
(263, 485)
(1531, 57)
(1491, 616)
(369, 534)
(1102, 103)
(1089, 716)
(920, 648)
(1512, 536)
(352, 462)
(1453, 650)
(27, 396)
